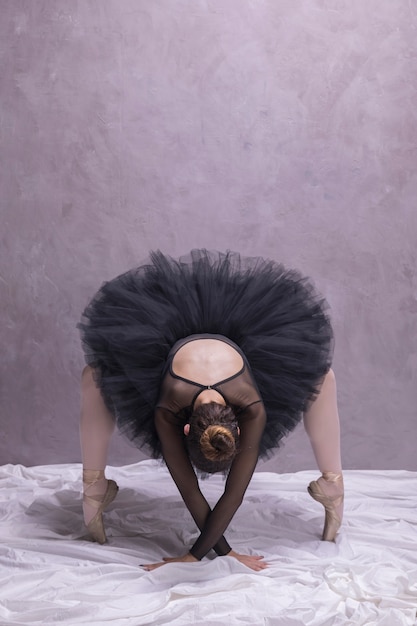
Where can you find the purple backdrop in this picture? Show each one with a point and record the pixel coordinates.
(286, 129)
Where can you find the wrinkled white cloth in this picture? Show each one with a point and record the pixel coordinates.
(51, 574)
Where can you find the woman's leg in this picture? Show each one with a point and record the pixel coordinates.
(321, 422)
(96, 428)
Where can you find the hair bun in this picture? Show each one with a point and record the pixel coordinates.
(213, 438)
(217, 443)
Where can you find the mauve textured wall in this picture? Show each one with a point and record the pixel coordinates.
(286, 129)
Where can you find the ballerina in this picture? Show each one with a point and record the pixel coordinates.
(209, 363)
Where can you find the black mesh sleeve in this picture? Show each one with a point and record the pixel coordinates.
(212, 523)
(252, 424)
(182, 472)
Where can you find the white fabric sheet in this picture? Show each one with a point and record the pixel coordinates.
(51, 574)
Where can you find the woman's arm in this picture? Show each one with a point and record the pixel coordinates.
(181, 470)
(252, 424)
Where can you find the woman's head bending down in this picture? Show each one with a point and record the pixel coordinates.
(212, 437)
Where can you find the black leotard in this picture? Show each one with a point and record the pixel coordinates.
(179, 394)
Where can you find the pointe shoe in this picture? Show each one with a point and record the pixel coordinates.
(332, 520)
(100, 502)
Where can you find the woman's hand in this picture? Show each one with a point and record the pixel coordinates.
(186, 558)
(250, 560)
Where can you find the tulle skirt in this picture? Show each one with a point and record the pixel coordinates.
(273, 314)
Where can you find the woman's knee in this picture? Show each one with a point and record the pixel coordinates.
(328, 384)
(330, 377)
(86, 371)
(87, 378)
(92, 401)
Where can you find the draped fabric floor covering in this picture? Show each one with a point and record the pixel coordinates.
(51, 574)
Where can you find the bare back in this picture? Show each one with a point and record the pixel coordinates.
(206, 361)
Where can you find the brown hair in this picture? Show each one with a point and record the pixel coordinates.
(213, 437)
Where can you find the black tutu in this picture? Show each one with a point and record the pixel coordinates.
(272, 313)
